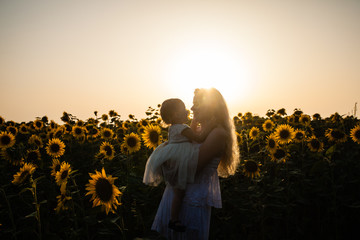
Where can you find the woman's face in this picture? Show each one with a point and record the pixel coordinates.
(200, 110)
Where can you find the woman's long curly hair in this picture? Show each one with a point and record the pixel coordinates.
(217, 108)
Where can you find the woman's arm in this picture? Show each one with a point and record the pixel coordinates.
(212, 147)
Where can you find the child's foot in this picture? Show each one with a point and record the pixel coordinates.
(176, 226)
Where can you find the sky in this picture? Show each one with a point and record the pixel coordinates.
(82, 56)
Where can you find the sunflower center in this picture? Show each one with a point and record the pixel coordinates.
(108, 150)
(57, 168)
(55, 148)
(284, 134)
(104, 189)
(251, 166)
(78, 131)
(315, 144)
(131, 142)
(37, 142)
(357, 134)
(272, 143)
(24, 176)
(279, 154)
(64, 174)
(107, 134)
(299, 135)
(32, 156)
(38, 124)
(268, 125)
(5, 140)
(337, 134)
(154, 137)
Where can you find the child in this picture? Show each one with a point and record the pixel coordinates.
(175, 160)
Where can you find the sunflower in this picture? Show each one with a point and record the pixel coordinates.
(62, 202)
(12, 129)
(38, 124)
(33, 155)
(144, 122)
(7, 140)
(141, 130)
(124, 149)
(104, 192)
(284, 133)
(279, 155)
(2, 120)
(4, 153)
(62, 175)
(152, 136)
(107, 133)
(132, 142)
(355, 134)
(24, 174)
(23, 129)
(36, 141)
(335, 135)
(299, 136)
(112, 113)
(254, 133)
(53, 125)
(59, 131)
(271, 143)
(239, 138)
(55, 148)
(251, 169)
(105, 117)
(93, 131)
(315, 145)
(108, 150)
(268, 125)
(305, 119)
(55, 167)
(316, 116)
(126, 125)
(78, 131)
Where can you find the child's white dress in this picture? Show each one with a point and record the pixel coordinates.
(174, 161)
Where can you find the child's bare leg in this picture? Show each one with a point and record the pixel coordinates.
(176, 203)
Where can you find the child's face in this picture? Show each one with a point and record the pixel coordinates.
(183, 115)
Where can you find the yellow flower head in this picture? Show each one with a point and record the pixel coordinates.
(55, 148)
(35, 140)
(107, 133)
(152, 136)
(7, 140)
(103, 191)
(299, 136)
(62, 202)
(268, 125)
(107, 150)
(132, 142)
(279, 155)
(271, 143)
(335, 135)
(314, 144)
(251, 169)
(355, 134)
(284, 133)
(63, 174)
(38, 124)
(254, 133)
(55, 167)
(24, 174)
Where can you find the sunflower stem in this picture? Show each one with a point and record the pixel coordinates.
(37, 206)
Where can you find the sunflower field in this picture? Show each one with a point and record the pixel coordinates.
(298, 179)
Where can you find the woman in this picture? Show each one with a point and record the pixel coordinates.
(218, 156)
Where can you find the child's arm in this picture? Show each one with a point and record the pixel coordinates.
(197, 137)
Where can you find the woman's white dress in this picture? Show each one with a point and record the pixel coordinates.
(195, 213)
(174, 161)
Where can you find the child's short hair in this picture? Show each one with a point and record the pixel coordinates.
(169, 107)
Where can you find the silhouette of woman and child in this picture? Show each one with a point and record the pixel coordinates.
(190, 163)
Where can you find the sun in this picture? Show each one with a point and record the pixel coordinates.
(205, 65)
